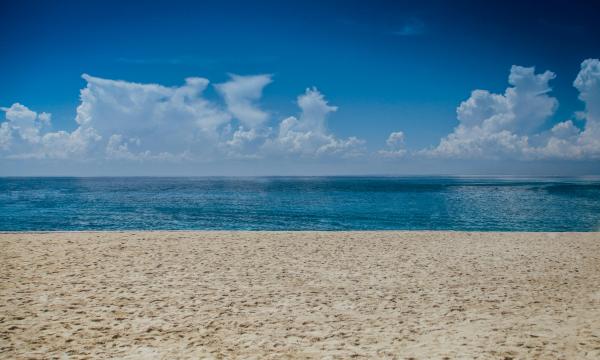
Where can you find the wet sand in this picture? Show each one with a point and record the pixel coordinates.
(256, 295)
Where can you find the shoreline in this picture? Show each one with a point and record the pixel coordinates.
(141, 231)
(337, 294)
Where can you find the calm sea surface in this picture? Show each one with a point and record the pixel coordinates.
(311, 203)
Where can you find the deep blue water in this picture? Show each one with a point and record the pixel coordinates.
(311, 203)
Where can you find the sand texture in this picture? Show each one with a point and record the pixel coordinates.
(261, 295)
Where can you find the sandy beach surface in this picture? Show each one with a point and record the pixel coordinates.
(256, 295)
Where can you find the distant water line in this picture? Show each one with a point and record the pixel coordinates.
(297, 203)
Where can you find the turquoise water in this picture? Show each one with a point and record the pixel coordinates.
(311, 203)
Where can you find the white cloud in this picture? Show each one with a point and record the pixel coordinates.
(245, 144)
(314, 111)
(522, 108)
(65, 145)
(241, 93)
(560, 142)
(118, 148)
(529, 103)
(45, 118)
(126, 121)
(308, 135)
(167, 123)
(396, 139)
(395, 146)
(23, 122)
(5, 136)
(169, 120)
(588, 84)
(565, 130)
(24, 135)
(241, 137)
(568, 141)
(503, 125)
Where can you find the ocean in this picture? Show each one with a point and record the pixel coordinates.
(300, 203)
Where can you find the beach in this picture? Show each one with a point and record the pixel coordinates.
(257, 295)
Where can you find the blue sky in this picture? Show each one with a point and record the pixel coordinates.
(386, 67)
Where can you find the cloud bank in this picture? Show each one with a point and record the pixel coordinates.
(131, 122)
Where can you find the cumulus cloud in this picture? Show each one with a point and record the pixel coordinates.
(241, 93)
(492, 125)
(118, 148)
(505, 125)
(5, 135)
(126, 121)
(24, 123)
(168, 121)
(245, 144)
(121, 120)
(588, 84)
(307, 135)
(25, 135)
(65, 145)
(395, 146)
(565, 139)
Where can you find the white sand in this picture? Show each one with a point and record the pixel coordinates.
(300, 295)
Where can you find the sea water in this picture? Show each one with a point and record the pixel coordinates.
(300, 203)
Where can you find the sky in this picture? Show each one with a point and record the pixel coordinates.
(93, 88)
